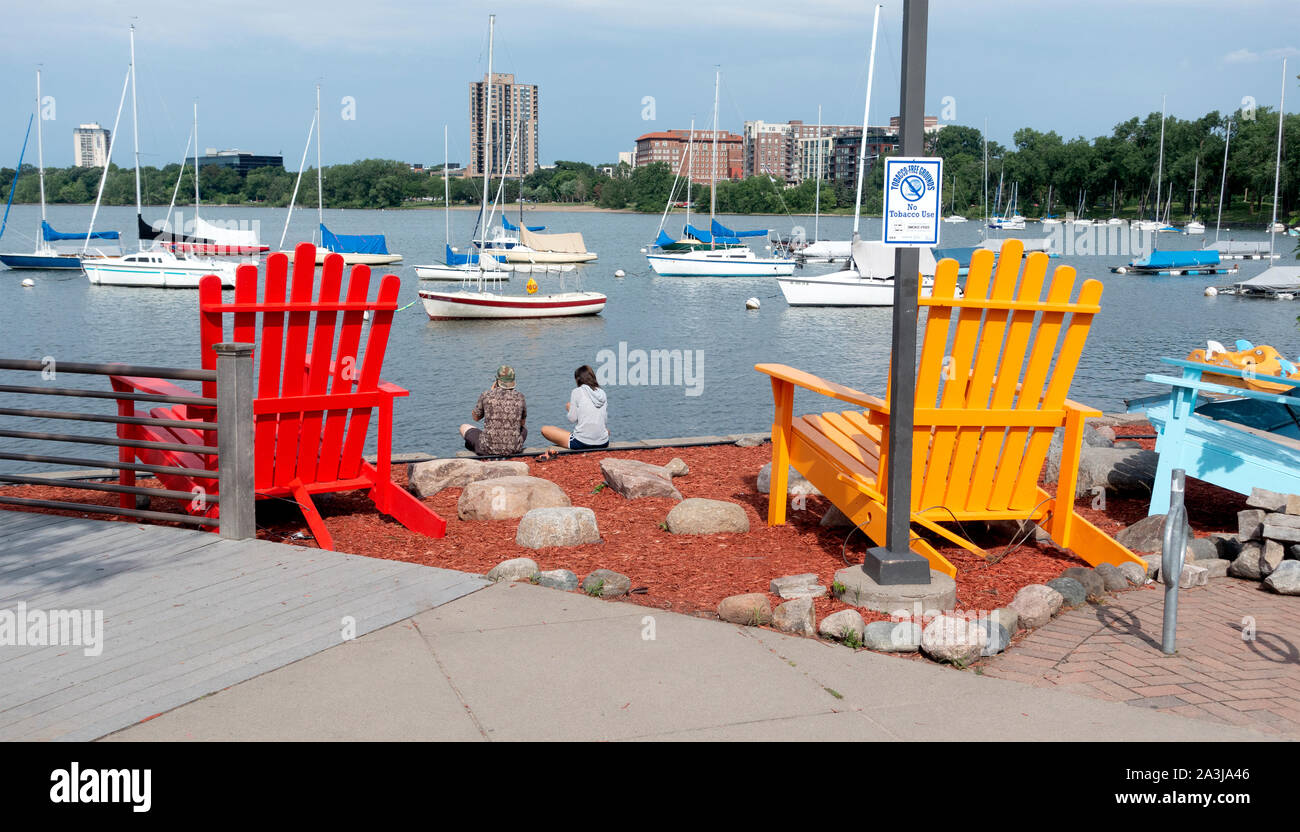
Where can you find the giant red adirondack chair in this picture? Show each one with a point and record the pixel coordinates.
(312, 405)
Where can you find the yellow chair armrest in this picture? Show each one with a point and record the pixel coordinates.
(817, 384)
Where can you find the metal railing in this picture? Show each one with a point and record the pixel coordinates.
(229, 462)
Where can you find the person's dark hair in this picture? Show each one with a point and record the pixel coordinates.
(585, 375)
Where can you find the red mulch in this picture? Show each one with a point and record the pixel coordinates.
(689, 574)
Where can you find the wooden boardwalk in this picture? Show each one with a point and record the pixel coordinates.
(185, 613)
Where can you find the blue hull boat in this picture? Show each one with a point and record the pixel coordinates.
(41, 261)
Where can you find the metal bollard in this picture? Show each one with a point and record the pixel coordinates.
(1172, 558)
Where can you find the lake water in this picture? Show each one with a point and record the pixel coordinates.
(446, 364)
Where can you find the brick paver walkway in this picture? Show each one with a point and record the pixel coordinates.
(1220, 673)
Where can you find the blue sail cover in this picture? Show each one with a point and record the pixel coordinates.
(50, 235)
(454, 259)
(663, 239)
(511, 227)
(1181, 259)
(722, 231)
(698, 234)
(717, 237)
(353, 243)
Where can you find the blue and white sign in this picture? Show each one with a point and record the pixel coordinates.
(912, 201)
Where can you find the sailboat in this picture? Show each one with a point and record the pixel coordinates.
(1194, 226)
(726, 255)
(869, 280)
(1155, 224)
(160, 267)
(478, 298)
(457, 266)
(1114, 206)
(1083, 202)
(953, 216)
(1048, 219)
(46, 256)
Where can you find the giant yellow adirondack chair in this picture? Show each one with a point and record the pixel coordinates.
(990, 390)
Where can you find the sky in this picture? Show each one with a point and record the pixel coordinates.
(611, 71)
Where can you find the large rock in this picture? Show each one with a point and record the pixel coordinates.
(750, 609)
(1146, 535)
(1267, 500)
(1201, 548)
(1270, 557)
(1111, 578)
(1193, 575)
(634, 479)
(838, 625)
(1250, 523)
(1071, 590)
(1134, 574)
(1284, 533)
(1007, 618)
(700, 516)
(1121, 471)
(951, 638)
(515, 569)
(676, 468)
(796, 484)
(1247, 564)
(835, 519)
(558, 579)
(1036, 604)
(506, 498)
(892, 636)
(1285, 579)
(1093, 584)
(1229, 545)
(996, 637)
(425, 479)
(606, 583)
(541, 528)
(797, 586)
(795, 616)
(1214, 567)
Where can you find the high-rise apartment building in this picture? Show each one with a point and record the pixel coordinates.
(513, 139)
(90, 145)
(789, 150)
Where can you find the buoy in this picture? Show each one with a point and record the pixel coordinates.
(643, 251)
(1177, 273)
(28, 283)
(531, 286)
(620, 273)
(1121, 270)
(752, 303)
(1210, 291)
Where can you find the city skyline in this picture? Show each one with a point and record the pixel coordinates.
(400, 72)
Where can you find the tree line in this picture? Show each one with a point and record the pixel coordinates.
(1083, 175)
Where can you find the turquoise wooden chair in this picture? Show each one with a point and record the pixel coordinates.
(1249, 441)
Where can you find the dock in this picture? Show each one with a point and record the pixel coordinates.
(185, 613)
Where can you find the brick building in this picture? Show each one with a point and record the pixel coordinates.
(670, 147)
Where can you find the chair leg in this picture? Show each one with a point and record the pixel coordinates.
(402, 506)
(309, 512)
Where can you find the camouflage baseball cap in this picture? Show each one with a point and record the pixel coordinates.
(506, 377)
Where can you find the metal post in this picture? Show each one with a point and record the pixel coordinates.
(1172, 558)
(895, 563)
(235, 439)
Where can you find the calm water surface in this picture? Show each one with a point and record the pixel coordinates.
(446, 364)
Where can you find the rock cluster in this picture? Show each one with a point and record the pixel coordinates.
(1267, 539)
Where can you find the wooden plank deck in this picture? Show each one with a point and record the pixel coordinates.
(185, 613)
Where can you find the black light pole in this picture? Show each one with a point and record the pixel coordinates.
(895, 563)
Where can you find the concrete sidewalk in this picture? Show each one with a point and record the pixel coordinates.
(521, 662)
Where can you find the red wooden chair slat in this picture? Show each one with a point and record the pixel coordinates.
(302, 446)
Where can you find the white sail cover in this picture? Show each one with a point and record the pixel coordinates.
(233, 237)
(570, 243)
(872, 258)
(838, 249)
(1276, 279)
(1044, 244)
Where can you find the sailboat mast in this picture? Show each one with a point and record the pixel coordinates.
(1223, 178)
(446, 184)
(196, 161)
(135, 135)
(1160, 163)
(690, 166)
(320, 193)
(40, 152)
(487, 131)
(713, 176)
(1196, 181)
(1277, 165)
(817, 200)
(866, 115)
(986, 175)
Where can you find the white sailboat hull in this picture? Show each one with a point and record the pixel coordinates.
(354, 258)
(458, 273)
(492, 306)
(845, 288)
(155, 276)
(719, 263)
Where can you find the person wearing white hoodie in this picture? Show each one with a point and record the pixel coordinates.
(587, 412)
